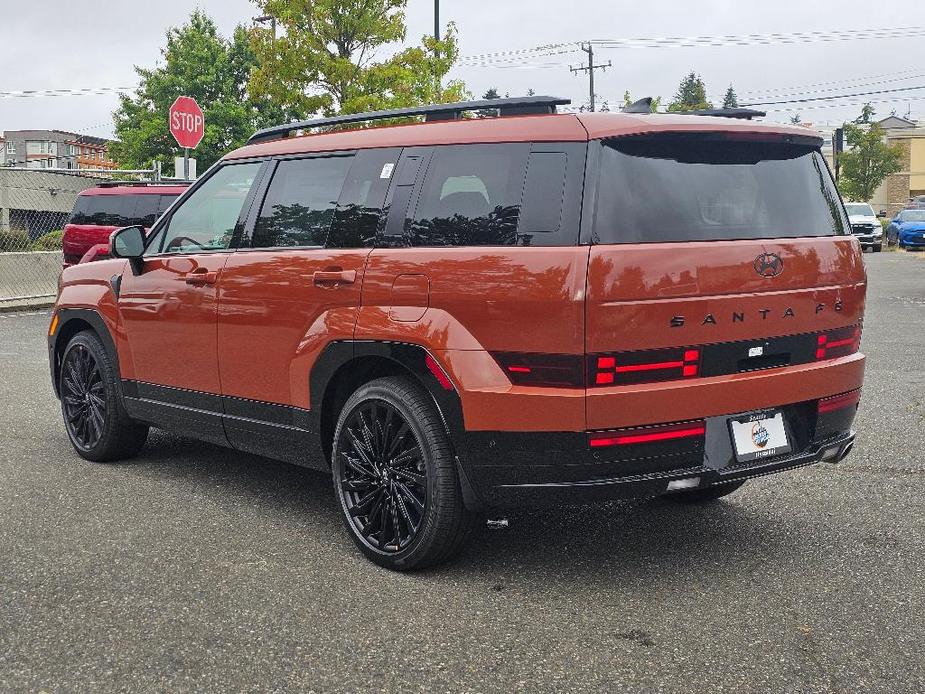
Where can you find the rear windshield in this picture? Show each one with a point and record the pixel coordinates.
(703, 187)
(120, 210)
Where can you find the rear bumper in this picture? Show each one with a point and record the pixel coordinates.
(832, 449)
(507, 469)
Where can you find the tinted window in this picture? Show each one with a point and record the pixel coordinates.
(859, 209)
(681, 188)
(119, 210)
(300, 202)
(207, 219)
(360, 206)
(471, 196)
(544, 192)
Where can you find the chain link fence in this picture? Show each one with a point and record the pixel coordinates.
(35, 204)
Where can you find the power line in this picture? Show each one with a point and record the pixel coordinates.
(85, 91)
(834, 96)
(761, 93)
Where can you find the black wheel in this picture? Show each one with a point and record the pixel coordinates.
(91, 402)
(395, 476)
(878, 248)
(699, 496)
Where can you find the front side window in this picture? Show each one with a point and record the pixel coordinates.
(206, 221)
(709, 187)
(300, 202)
(471, 196)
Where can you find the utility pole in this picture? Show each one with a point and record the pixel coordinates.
(590, 68)
(437, 38)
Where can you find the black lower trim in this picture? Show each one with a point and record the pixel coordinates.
(276, 431)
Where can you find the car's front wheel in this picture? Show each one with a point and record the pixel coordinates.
(91, 402)
(395, 477)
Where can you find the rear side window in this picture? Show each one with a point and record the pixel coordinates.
(300, 202)
(356, 219)
(702, 187)
(120, 210)
(471, 196)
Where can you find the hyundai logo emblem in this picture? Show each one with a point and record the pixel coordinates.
(769, 265)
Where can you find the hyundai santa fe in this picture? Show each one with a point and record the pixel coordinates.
(458, 316)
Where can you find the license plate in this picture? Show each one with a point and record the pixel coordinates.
(759, 436)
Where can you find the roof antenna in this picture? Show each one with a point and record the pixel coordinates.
(643, 105)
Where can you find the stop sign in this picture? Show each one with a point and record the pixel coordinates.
(187, 124)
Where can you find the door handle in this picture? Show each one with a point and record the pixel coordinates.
(201, 276)
(334, 277)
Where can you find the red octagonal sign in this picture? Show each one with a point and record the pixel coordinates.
(187, 124)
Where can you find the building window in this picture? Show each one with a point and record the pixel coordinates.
(10, 147)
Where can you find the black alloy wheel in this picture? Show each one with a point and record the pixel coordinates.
(83, 398)
(91, 402)
(384, 485)
(396, 477)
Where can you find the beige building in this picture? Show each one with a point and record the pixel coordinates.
(910, 179)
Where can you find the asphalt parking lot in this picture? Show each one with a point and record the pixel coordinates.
(197, 568)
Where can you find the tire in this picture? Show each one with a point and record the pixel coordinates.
(878, 248)
(414, 513)
(700, 496)
(91, 403)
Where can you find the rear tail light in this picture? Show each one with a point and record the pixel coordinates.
(645, 366)
(650, 434)
(553, 370)
(839, 402)
(838, 343)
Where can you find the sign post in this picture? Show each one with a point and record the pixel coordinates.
(187, 125)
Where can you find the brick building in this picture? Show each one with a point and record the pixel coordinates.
(55, 149)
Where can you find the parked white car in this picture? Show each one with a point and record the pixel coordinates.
(865, 225)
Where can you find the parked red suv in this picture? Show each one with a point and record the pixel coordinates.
(463, 315)
(109, 206)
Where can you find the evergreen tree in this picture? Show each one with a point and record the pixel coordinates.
(691, 95)
(730, 100)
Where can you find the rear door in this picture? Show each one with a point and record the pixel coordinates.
(294, 286)
(479, 258)
(701, 241)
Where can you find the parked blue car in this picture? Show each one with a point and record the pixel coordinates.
(907, 229)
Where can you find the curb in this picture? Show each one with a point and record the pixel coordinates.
(26, 304)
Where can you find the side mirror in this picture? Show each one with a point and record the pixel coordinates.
(881, 214)
(129, 243)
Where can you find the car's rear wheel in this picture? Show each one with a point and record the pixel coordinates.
(91, 403)
(700, 496)
(395, 477)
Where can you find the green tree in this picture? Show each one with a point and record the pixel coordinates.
(867, 112)
(326, 62)
(200, 63)
(691, 95)
(867, 159)
(730, 100)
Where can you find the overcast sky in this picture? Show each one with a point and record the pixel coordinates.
(53, 44)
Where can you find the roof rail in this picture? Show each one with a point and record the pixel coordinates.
(517, 106)
(140, 184)
(744, 113)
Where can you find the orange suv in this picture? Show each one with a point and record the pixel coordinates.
(459, 316)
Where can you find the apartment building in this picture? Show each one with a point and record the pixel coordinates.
(55, 149)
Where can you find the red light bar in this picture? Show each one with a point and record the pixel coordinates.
(661, 432)
(839, 402)
(645, 366)
(838, 343)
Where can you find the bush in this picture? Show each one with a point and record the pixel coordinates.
(885, 223)
(14, 240)
(48, 242)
